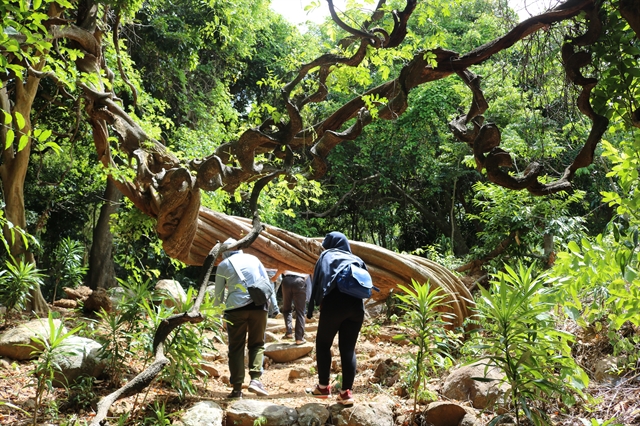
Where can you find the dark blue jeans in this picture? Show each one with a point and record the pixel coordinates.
(343, 315)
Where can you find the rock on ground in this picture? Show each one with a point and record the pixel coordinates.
(16, 343)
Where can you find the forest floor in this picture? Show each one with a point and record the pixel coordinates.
(619, 399)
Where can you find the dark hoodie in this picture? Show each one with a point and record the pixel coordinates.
(331, 261)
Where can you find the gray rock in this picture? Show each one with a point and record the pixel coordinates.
(312, 414)
(245, 412)
(378, 412)
(77, 356)
(13, 341)
(171, 293)
(204, 413)
(461, 386)
(287, 352)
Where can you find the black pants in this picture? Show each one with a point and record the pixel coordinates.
(343, 315)
(294, 290)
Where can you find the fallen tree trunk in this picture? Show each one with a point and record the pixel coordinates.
(283, 250)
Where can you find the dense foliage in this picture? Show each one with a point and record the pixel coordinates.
(198, 75)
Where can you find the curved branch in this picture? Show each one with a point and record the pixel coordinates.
(123, 75)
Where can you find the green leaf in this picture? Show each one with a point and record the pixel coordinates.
(10, 136)
(42, 135)
(574, 247)
(20, 121)
(36, 4)
(7, 117)
(24, 140)
(54, 146)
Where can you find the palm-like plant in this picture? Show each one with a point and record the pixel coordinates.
(16, 281)
(68, 268)
(49, 348)
(425, 327)
(519, 337)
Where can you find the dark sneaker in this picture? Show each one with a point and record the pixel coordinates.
(345, 398)
(318, 392)
(256, 387)
(236, 394)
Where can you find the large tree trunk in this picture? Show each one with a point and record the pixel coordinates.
(13, 172)
(101, 268)
(283, 250)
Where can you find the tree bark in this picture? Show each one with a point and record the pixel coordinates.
(101, 272)
(13, 172)
(283, 250)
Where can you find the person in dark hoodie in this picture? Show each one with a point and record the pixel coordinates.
(339, 314)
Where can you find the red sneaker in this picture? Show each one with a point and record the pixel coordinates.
(319, 392)
(345, 398)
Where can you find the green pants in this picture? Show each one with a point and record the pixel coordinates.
(242, 321)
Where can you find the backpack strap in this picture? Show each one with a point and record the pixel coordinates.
(237, 269)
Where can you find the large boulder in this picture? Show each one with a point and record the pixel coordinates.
(171, 293)
(461, 385)
(77, 356)
(287, 352)
(246, 412)
(18, 343)
(204, 413)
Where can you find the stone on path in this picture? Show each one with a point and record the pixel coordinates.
(204, 413)
(442, 413)
(245, 412)
(312, 414)
(287, 352)
(378, 412)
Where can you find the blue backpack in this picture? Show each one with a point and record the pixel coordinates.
(355, 281)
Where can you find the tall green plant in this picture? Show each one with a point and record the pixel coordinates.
(425, 327)
(519, 337)
(68, 268)
(185, 346)
(598, 284)
(49, 348)
(16, 281)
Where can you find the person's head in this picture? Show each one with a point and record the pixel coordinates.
(227, 253)
(336, 240)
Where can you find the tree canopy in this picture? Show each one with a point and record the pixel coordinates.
(191, 104)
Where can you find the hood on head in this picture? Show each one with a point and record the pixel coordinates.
(336, 240)
(228, 253)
